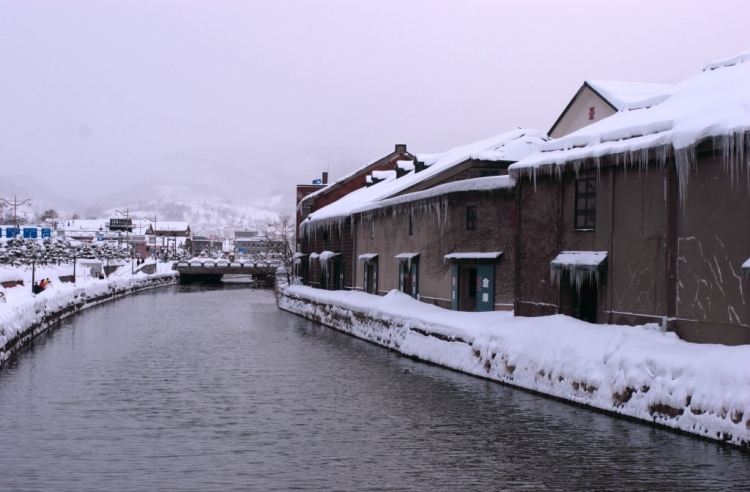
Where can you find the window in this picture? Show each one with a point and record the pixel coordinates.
(411, 224)
(489, 172)
(585, 214)
(471, 217)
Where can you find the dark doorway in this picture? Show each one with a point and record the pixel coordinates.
(467, 288)
(579, 302)
(338, 275)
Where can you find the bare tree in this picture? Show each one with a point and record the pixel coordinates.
(280, 235)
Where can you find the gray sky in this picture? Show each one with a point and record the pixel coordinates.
(259, 95)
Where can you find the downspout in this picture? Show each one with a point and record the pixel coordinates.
(671, 253)
(611, 254)
(560, 205)
(517, 266)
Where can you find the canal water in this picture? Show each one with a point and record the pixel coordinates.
(214, 388)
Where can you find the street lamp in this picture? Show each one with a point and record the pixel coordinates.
(33, 271)
(15, 204)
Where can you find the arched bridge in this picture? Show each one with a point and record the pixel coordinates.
(211, 271)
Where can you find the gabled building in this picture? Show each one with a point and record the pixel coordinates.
(348, 183)
(638, 217)
(451, 245)
(348, 244)
(599, 99)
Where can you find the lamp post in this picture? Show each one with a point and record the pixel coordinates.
(15, 204)
(33, 271)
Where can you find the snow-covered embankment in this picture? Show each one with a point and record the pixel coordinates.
(25, 316)
(639, 372)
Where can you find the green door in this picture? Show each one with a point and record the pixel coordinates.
(486, 287)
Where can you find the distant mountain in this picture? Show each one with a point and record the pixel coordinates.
(234, 186)
(206, 216)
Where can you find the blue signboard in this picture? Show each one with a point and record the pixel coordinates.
(100, 239)
(12, 231)
(29, 232)
(46, 232)
(241, 250)
(153, 252)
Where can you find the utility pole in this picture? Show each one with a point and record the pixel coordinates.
(127, 235)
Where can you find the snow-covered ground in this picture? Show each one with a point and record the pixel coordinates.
(639, 372)
(22, 310)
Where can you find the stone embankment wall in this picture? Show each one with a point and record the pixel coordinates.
(28, 318)
(416, 340)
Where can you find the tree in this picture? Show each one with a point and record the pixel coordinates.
(50, 213)
(280, 235)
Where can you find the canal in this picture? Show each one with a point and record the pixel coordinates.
(214, 388)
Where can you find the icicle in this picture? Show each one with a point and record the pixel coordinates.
(684, 160)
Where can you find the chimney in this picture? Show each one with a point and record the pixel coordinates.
(400, 148)
(325, 177)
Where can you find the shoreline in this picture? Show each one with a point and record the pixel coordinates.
(606, 368)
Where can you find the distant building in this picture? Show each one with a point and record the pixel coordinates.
(121, 224)
(255, 245)
(198, 244)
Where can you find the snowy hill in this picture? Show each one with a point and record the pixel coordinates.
(206, 216)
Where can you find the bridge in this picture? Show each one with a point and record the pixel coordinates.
(211, 271)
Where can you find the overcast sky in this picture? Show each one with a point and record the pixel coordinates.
(101, 94)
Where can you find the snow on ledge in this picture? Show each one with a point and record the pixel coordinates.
(579, 260)
(582, 267)
(473, 256)
(406, 256)
(746, 267)
(368, 256)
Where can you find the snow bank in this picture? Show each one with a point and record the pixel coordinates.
(25, 315)
(638, 372)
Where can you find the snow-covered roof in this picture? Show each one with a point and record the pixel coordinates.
(405, 165)
(713, 103)
(493, 255)
(623, 95)
(517, 142)
(171, 226)
(83, 224)
(343, 179)
(381, 175)
(487, 183)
